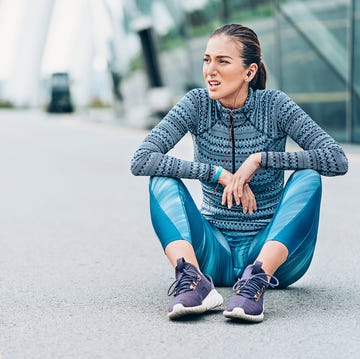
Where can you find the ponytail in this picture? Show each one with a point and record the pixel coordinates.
(259, 81)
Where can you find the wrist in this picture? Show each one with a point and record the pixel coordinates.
(264, 160)
(218, 173)
(256, 157)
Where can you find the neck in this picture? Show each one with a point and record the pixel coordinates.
(237, 101)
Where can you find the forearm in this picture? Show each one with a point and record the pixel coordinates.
(152, 159)
(148, 163)
(328, 162)
(320, 151)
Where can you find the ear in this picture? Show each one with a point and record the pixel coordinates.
(251, 71)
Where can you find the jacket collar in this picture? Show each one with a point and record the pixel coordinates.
(238, 113)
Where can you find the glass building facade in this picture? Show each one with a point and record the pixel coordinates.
(311, 50)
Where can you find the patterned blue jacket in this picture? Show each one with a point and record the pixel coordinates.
(261, 125)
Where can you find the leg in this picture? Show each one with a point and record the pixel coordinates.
(181, 248)
(184, 232)
(290, 237)
(285, 247)
(188, 240)
(170, 218)
(273, 254)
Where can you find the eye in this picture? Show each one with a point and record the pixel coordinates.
(206, 60)
(224, 62)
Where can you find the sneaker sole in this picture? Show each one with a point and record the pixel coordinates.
(211, 301)
(238, 313)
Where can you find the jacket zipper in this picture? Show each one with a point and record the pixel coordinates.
(232, 141)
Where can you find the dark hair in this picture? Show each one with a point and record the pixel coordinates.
(250, 50)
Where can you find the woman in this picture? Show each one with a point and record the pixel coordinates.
(250, 230)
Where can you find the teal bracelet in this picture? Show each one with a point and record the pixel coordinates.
(218, 173)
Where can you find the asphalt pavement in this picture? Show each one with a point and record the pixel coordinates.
(82, 274)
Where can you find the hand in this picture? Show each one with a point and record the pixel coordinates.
(236, 188)
(248, 200)
(225, 177)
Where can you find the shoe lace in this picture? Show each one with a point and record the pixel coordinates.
(254, 286)
(187, 281)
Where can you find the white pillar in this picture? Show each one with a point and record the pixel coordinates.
(24, 81)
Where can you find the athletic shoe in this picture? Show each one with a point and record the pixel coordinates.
(247, 300)
(193, 291)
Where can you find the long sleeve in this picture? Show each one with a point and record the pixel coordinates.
(151, 158)
(321, 152)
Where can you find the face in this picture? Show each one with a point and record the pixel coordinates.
(224, 72)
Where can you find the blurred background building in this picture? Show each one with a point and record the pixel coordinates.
(138, 57)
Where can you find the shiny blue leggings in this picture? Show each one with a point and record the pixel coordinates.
(224, 255)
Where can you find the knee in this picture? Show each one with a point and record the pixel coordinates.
(307, 174)
(160, 185)
(309, 179)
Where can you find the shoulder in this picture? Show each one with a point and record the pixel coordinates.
(197, 96)
(277, 102)
(201, 107)
(190, 109)
(188, 104)
(271, 107)
(193, 101)
(270, 96)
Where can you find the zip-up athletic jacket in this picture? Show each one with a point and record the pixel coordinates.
(224, 137)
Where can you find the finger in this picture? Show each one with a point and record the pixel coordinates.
(223, 198)
(229, 197)
(251, 205)
(254, 203)
(248, 200)
(245, 205)
(236, 193)
(240, 187)
(251, 198)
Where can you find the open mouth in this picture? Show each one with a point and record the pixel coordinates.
(213, 83)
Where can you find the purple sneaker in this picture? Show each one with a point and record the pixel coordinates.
(247, 300)
(193, 292)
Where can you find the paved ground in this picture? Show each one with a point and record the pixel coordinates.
(83, 276)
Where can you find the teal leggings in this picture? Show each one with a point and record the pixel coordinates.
(224, 255)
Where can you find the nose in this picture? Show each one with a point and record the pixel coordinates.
(211, 68)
